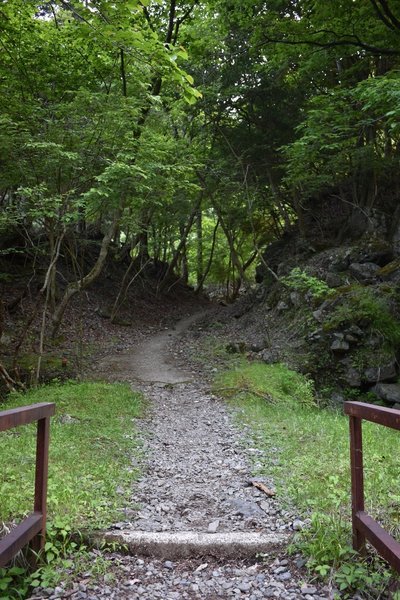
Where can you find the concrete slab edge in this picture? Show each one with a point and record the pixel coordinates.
(184, 545)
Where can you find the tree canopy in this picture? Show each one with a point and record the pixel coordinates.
(190, 134)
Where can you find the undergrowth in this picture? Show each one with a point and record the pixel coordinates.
(92, 444)
(375, 307)
(306, 450)
(301, 281)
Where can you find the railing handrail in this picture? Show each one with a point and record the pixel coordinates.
(33, 527)
(364, 526)
(388, 417)
(24, 415)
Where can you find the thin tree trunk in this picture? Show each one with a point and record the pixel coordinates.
(210, 259)
(181, 245)
(184, 259)
(199, 254)
(76, 286)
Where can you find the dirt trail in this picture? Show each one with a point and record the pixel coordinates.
(196, 508)
(150, 361)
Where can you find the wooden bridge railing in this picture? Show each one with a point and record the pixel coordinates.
(364, 526)
(33, 527)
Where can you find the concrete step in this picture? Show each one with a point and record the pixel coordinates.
(190, 544)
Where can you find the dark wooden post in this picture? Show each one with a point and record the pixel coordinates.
(357, 480)
(42, 466)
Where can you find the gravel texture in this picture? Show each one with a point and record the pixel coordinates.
(136, 578)
(197, 477)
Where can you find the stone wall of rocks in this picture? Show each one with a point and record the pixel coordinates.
(351, 353)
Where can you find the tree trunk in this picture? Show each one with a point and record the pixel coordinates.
(181, 245)
(184, 259)
(210, 259)
(199, 254)
(77, 286)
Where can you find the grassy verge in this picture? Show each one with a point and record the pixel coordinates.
(307, 453)
(93, 442)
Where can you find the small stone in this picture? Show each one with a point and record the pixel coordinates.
(213, 526)
(338, 335)
(298, 525)
(296, 299)
(282, 306)
(308, 589)
(285, 576)
(280, 570)
(246, 509)
(169, 565)
(339, 345)
(318, 316)
(351, 338)
(301, 562)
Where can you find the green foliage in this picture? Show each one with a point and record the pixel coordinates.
(13, 583)
(92, 446)
(276, 383)
(349, 131)
(306, 451)
(64, 556)
(372, 306)
(92, 443)
(299, 280)
(360, 576)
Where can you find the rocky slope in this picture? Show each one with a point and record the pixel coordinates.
(332, 314)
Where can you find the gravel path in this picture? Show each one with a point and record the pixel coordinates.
(197, 477)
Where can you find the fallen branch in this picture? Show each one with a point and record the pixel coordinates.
(234, 391)
(263, 488)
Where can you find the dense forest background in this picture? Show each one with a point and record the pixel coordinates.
(180, 139)
(159, 154)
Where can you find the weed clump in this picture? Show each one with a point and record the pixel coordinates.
(273, 383)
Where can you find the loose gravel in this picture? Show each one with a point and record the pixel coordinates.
(198, 476)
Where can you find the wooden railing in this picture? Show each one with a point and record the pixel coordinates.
(364, 526)
(32, 528)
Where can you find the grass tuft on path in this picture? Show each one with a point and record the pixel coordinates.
(306, 450)
(92, 444)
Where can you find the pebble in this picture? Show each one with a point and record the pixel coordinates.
(212, 528)
(308, 589)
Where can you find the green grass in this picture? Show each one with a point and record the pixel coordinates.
(90, 459)
(307, 453)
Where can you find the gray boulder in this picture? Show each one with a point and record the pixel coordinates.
(390, 392)
(333, 280)
(352, 377)
(269, 356)
(364, 272)
(382, 373)
(339, 345)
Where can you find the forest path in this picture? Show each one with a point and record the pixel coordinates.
(151, 360)
(200, 521)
